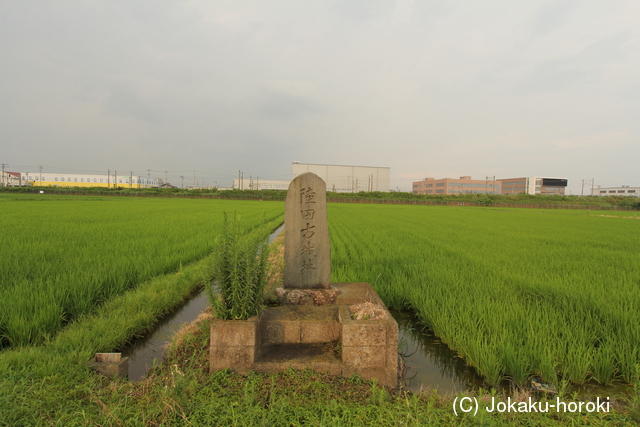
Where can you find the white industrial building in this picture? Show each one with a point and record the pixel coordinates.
(623, 190)
(534, 185)
(10, 179)
(347, 179)
(109, 180)
(260, 184)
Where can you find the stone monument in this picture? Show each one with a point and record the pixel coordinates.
(306, 242)
(315, 326)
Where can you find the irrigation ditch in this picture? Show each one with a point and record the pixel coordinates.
(427, 363)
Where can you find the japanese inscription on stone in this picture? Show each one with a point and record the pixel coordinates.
(306, 250)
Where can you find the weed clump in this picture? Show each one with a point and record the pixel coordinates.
(241, 271)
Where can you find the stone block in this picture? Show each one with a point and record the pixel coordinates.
(280, 332)
(364, 357)
(234, 344)
(234, 332)
(318, 332)
(367, 333)
(240, 359)
(392, 331)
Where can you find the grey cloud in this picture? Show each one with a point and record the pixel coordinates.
(277, 105)
(586, 66)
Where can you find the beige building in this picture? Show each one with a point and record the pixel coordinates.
(463, 185)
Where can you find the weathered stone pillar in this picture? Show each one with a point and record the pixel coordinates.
(306, 240)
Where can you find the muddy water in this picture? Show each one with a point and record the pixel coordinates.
(430, 364)
(143, 353)
(147, 351)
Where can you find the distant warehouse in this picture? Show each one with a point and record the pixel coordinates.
(110, 180)
(339, 179)
(624, 190)
(347, 179)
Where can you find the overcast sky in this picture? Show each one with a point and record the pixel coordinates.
(428, 88)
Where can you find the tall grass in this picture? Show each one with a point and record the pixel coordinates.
(63, 256)
(515, 293)
(240, 269)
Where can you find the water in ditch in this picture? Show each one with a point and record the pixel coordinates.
(428, 363)
(145, 352)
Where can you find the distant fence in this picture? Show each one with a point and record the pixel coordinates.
(222, 196)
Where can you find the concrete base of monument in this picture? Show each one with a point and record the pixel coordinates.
(324, 338)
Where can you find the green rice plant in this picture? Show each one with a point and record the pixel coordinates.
(514, 292)
(65, 256)
(240, 270)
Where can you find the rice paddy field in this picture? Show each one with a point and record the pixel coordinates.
(515, 292)
(62, 256)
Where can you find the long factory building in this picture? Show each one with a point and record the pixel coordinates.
(57, 179)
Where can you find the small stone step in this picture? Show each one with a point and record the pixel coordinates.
(299, 325)
(319, 357)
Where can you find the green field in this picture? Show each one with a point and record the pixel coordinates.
(515, 292)
(62, 255)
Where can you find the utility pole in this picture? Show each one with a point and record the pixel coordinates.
(148, 178)
(130, 179)
(182, 181)
(194, 179)
(40, 175)
(486, 184)
(115, 179)
(587, 181)
(108, 178)
(3, 165)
